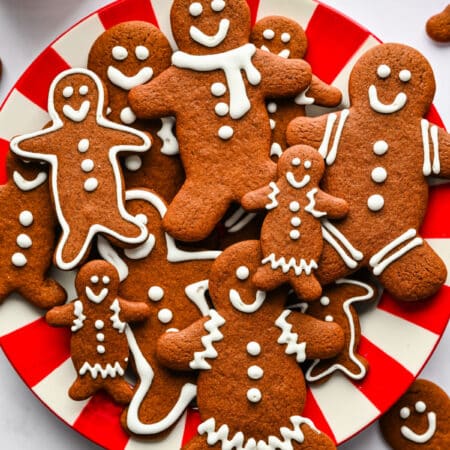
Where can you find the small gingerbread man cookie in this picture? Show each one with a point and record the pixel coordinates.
(98, 321)
(420, 420)
(438, 26)
(291, 235)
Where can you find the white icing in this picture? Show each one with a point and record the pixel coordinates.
(142, 53)
(272, 107)
(405, 413)
(226, 132)
(294, 235)
(273, 124)
(290, 339)
(384, 71)
(210, 41)
(83, 145)
(296, 162)
(29, 185)
(119, 53)
(195, 9)
(84, 90)
(434, 132)
(99, 324)
(379, 175)
(382, 108)
(19, 259)
(302, 99)
(296, 221)
(329, 318)
(240, 305)
(294, 207)
(240, 225)
(420, 407)
(325, 301)
(106, 279)
(87, 165)
(100, 337)
(196, 293)
(143, 250)
(380, 148)
(242, 273)
(285, 38)
(265, 48)
(96, 298)
(253, 348)
(379, 262)
(221, 109)
(218, 89)
(286, 53)
(375, 202)
(310, 208)
(308, 164)
(276, 150)
(218, 5)
(156, 293)
(255, 372)
(78, 322)
(95, 279)
(330, 154)
(117, 324)
(423, 438)
(77, 115)
(405, 76)
(254, 395)
(273, 196)
(268, 34)
(133, 163)
(24, 241)
(108, 370)
(127, 83)
(67, 92)
(127, 116)
(165, 315)
(91, 185)
(101, 349)
(232, 62)
(298, 267)
(290, 177)
(170, 143)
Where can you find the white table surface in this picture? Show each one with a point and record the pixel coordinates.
(28, 26)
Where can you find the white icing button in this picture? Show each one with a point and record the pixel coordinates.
(91, 184)
(253, 348)
(273, 124)
(296, 162)
(106, 280)
(127, 116)
(308, 164)
(383, 71)
(100, 337)
(68, 92)
(269, 34)
(165, 315)
(218, 89)
(296, 221)
(218, 5)
(294, 206)
(83, 145)
(375, 203)
(99, 324)
(420, 407)
(329, 319)
(226, 133)
(405, 413)
(272, 107)
(379, 175)
(119, 53)
(19, 259)
(195, 9)
(142, 53)
(155, 293)
(255, 373)
(222, 109)
(405, 76)
(26, 218)
(254, 395)
(324, 301)
(87, 165)
(242, 273)
(84, 90)
(380, 148)
(294, 235)
(101, 349)
(24, 241)
(133, 163)
(94, 279)
(285, 37)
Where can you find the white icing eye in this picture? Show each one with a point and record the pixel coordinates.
(242, 273)
(119, 53)
(106, 280)
(405, 76)
(296, 162)
(195, 9)
(286, 38)
(308, 164)
(217, 5)
(142, 53)
(324, 301)
(383, 71)
(405, 413)
(269, 34)
(83, 90)
(420, 407)
(94, 279)
(68, 92)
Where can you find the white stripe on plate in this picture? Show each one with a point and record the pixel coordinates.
(442, 248)
(407, 343)
(74, 46)
(298, 10)
(53, 390)
(15, 313)
(170, 442)
(20, 115)
(162, 8)
(345, 407)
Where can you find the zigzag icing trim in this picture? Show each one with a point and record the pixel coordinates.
(298, 267)
(239, 442)
(290, 339)
(311, 208)
(80, 317)
(214, 335)
(115, 319)
(107, 371)
(273, 196)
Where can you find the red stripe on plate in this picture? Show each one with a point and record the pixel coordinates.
(193, 420)
(100, 422)
(36, 350)
(312, 411)
(432, 314)
(4, 150)
(35, 82)
(330, 52)
(436, 223)
(386, 379)
(434, 117)
(254, 5)
(127, 10)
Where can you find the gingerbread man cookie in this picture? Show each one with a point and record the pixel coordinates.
(291, 235)
(173, 283)
(125, 56)
(286, 38)
(420, 420)
(98, 321)
(246, 350)
(27, 235)
(86, 179)
(391, 90)
(217, 88)
(438, 26)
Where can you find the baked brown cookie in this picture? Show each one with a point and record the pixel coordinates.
(420, 420)
(438, 26)
(125, 56)
(250, 387)
(391, 90)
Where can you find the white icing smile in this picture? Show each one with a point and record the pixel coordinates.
(210, 41)
(77, 115)
(285, 53)
(290, 177)
(96, 298)
(398, 104)
(239, 304)
(421, 438)
(127, 83)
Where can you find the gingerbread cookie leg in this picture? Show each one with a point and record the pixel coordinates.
(119, 390)
(83, 388)
(306, 286)
(314, 440)
(200, 443)
(45, 295)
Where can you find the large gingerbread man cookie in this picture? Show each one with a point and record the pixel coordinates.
(28, 235)
(125, 56)
(173, 284)
(391, 90)
(251, 388)
(217, 88)
(86, 180)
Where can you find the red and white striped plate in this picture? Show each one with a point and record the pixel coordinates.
(397, 339)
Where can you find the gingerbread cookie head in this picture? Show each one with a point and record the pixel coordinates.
(420, 420)
(279, 35)
(393, 79)
(210, 26)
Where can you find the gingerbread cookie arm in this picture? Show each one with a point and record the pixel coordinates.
(264, 197)
(62, 316)
(334, 207)
(133, 311)
(41, 145)
(323, 93)
(307, 131)
(135, 141)
(440, 164)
